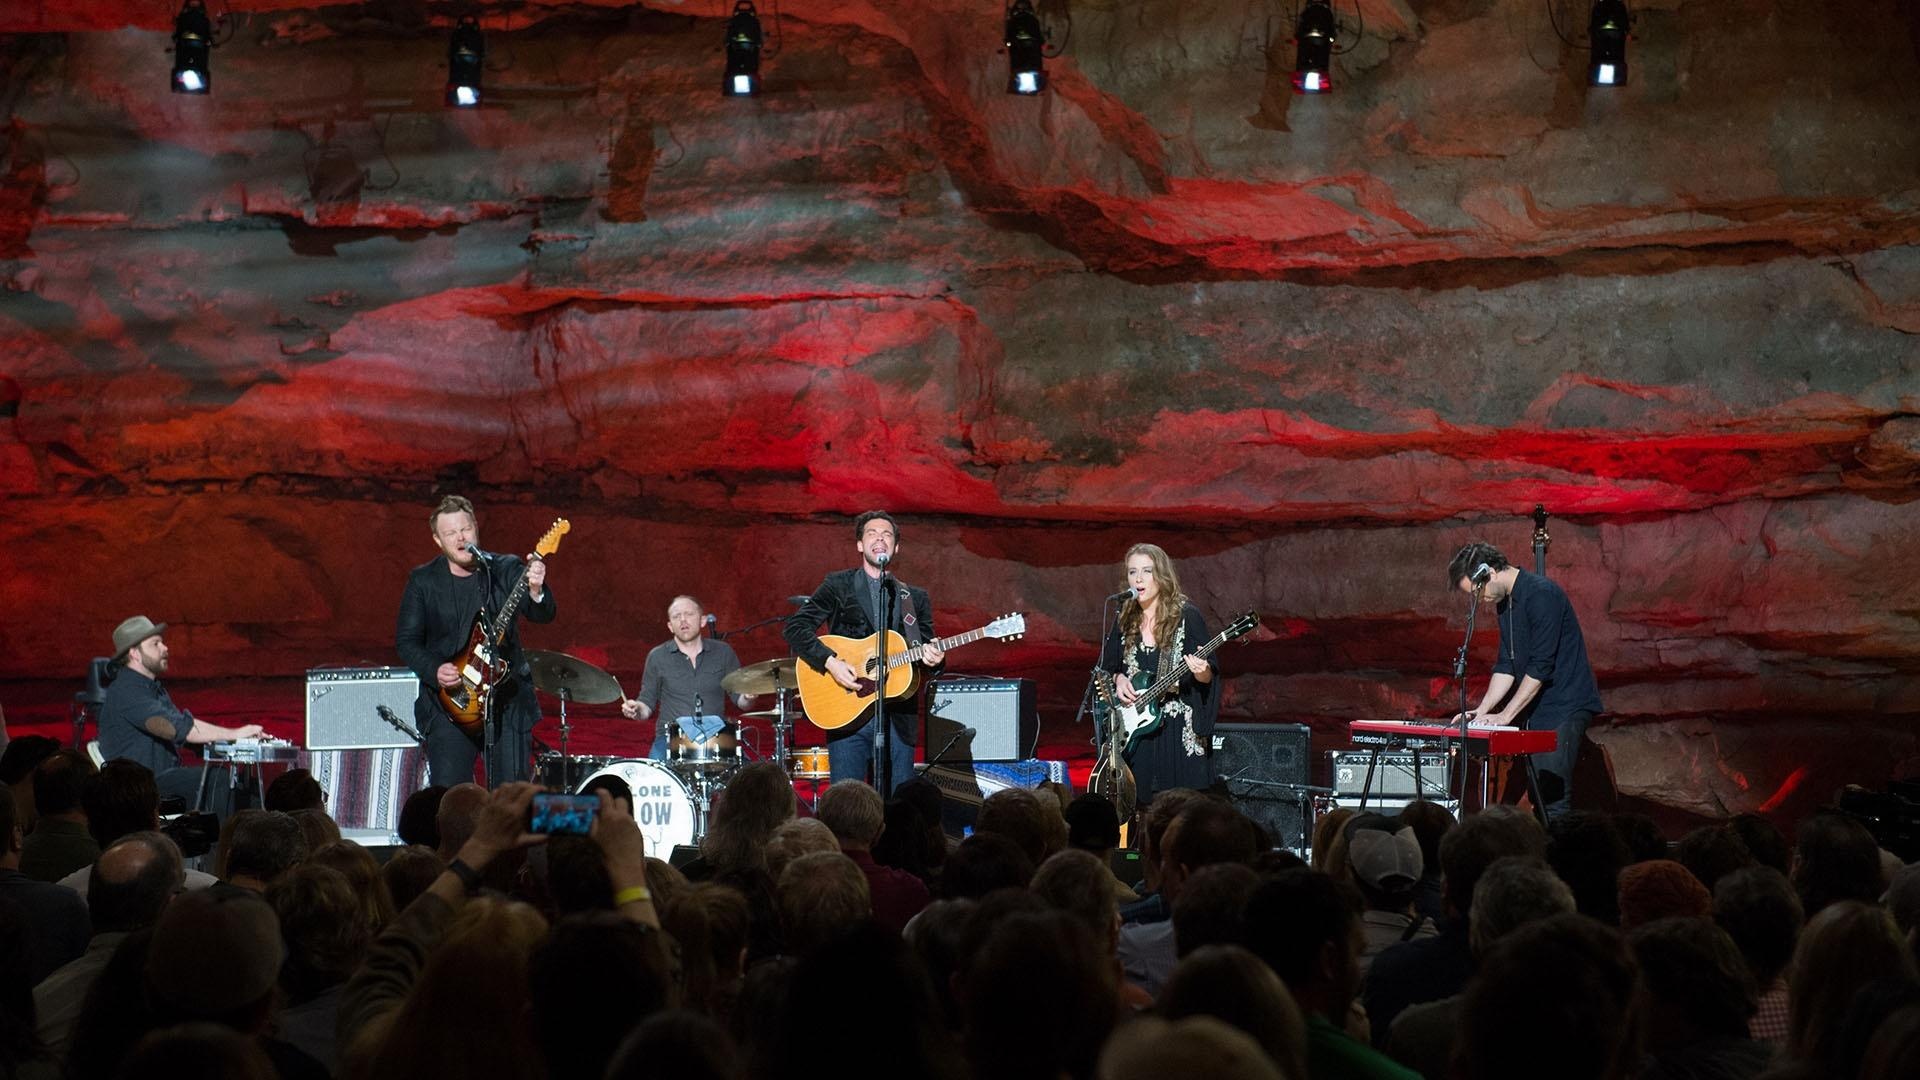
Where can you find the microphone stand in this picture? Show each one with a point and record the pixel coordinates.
(1460, 680)
(722, 635)
(957, 736)
(883, 770)
(1086, 694)
(1540, 539)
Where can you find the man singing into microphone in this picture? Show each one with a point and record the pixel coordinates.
(436, 617)
(683, 673)
(850, 603)
(1542, 648)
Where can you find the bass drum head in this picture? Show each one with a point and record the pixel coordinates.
(661, 804)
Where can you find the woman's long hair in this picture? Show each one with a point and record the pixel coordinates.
(757, 801)
(1171, 600)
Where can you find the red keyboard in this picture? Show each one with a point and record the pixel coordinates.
(1424, 734)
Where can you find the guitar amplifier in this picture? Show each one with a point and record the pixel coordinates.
(1392, 786)
(1002, 712)
(343, 703)
(1264, 769)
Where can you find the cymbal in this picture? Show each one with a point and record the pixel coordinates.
(555, 672)
(761, 714)
(765, 677)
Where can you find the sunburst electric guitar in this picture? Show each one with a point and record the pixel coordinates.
(480, 665)
(831, 706)
(1142, 718)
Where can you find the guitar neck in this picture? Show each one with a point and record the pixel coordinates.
(1166, 682)
(912, 656)
(501, 622)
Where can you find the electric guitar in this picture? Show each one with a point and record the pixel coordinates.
(1112, 780)
(831, 706)
(1142, 718)
(481, 667)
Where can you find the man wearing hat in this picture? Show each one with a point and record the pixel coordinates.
(139, 722)
(1384, 858)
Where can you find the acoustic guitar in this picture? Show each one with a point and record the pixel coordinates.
(1112, 780)
(481, 667)
(831, 706)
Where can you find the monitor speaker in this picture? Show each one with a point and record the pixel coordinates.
(1002, 713)
(343, 707)
(1264, 769)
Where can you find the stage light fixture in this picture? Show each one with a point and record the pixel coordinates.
(1313, 62)
(466, 60)
(743, 51)
(192, 49)
(1026, 49)
(1607, 27)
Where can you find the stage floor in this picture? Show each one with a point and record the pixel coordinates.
(279, 705)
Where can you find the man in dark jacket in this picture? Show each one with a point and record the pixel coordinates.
(850, 602)
(436, 617)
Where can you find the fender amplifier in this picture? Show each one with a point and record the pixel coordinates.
(343, 707)
(1001, 712)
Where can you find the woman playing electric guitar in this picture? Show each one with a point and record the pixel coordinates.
(1155, 637)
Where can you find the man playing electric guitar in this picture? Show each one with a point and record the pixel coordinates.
(436, 617)
(848, 602)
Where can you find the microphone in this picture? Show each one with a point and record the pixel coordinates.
(1121, 595)
(1482, 574)
(798, 601)
(481, 556)
(881, 560)
(710, 620)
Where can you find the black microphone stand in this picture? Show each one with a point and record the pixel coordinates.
(963, 733)
(1460, 679)
(884, 767)
(1086, 694)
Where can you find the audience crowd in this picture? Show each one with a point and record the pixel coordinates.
(859, 941)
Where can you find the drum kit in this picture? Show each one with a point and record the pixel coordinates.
(671, 799)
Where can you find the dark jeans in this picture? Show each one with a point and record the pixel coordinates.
(849, 756)
(1554, 772)
(451, 755)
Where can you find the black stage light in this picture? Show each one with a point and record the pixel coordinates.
(1313, 64)
(192, 48)
(743, 51)
(1607, 38)
(1026, 42)
(466, 59)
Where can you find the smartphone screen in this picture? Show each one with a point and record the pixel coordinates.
(553, 812)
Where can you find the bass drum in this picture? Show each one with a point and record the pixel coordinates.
(661, 804)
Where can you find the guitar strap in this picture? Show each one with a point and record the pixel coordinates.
(909, 622)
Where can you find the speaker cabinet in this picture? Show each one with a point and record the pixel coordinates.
(1002, 712)
(1392, 777)
(1263, 767)
(343, 707)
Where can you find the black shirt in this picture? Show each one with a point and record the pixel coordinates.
(1539, 636)
(132, 698)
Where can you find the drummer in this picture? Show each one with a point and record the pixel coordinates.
(683, 674)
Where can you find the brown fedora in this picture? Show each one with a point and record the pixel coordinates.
(133, 632)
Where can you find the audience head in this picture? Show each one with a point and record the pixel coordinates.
(1764, 841)
(577, 878)
(264, 845)
(295, 789)
(594, 979)
(924, 796)
(1872, 1006)
(1092, 824)
(801, 836)
(1711, 852)
(1383, 859)
(982, 863)
(711, 923)
(455, 816)
(755, 802)
(1031, 821)
(1430, 821)
(1587, 1026)
(1660, 889)
(618, 790)
(1039, 996)
(59, 781)
(362, 872)
(1643, 838)
(1760, 912)
(676, 1045)
(133, 880)
(854, 812)
(239, 929)
(1232, 985)
(1206, 832)
(1078, 884)
(1894, 1051)
(419, 825)
(938, 936)
(324, 927)
(1194, 1048)
(1306, 926)
(1478, 842)
(1835, 858)
(1513, 892)
(821, 896)
(1697, 985)
(1588, 853)
(1846, 945)
(122, 798)
(906, 843)
(408, 872)
(1212, 905)
(22, 754)
(316, 828)
(204, 1051)
(1155, 819)
(867, 973)
(1327, 830)
(1903, 899)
